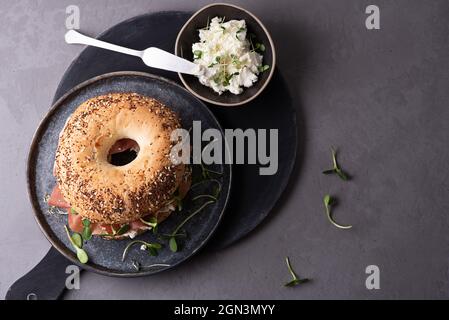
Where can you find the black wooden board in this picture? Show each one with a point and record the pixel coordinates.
(253, 196)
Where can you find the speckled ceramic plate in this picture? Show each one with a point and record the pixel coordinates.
(105, 256)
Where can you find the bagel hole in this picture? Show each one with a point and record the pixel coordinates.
(123, 151)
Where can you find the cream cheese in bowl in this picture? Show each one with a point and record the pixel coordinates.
(228, 58)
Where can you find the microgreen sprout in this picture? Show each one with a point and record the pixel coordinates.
(151, 247)
(201, 196)
(295, 281)
(177, 199)
(87, 232)
(123, 229)
(172, 242)
(336, 168)
(218, 185)
(328, 202)
(207, 24)
(77, 240)
(255, 46)
(152, 223)
(206, 173)
(263, 68)
(138, 266)
(77, 243)
(259, 47)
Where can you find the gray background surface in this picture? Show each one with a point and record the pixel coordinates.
(379, 96)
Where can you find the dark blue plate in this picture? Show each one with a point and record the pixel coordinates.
(105, 256)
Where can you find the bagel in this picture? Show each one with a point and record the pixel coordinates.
(109, 194)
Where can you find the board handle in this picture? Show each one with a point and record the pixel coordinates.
(46, 281)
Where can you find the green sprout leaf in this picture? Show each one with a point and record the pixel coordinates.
(75, 241)
(82, 255)
(72, 211)
(87, 232)
(263, 68)
(173, 244)
(123, 229)
(151, 247)
(153, 252)
(258, 46)
(172, 237)
(328, 202)
(178, 203)
(336, 168)
(152, 222)
(295, 281)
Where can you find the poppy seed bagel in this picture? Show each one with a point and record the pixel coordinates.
(101, 191)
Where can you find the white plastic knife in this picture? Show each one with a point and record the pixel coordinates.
(152, 57)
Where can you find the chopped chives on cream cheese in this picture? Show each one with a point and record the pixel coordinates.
(227, 59)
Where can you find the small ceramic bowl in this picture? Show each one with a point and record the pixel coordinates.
(189, 35)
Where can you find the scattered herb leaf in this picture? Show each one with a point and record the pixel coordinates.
(328, 202)
(336, 168)
(295, 281)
